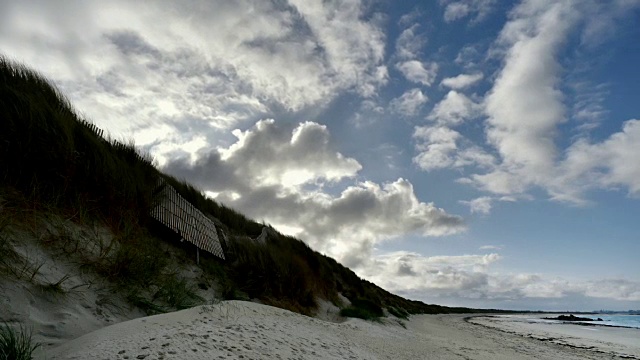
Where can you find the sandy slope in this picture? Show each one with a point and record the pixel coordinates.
(244, 330)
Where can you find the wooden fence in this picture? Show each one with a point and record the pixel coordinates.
(173, 210)
(92, 127)
(186, 220)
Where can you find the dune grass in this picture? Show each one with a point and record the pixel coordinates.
(55, 157)
(398, 312)
(16, 344)
(363, 309)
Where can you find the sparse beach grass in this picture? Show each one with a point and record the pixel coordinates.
(16, 344)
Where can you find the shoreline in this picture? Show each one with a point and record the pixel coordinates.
(562, 322)
(618, 341)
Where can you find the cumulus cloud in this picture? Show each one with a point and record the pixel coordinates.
(462, 81)
(455, 108)
(418, 72)
(409, 103)
(279, 174)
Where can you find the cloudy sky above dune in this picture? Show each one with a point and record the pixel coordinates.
(461, 152)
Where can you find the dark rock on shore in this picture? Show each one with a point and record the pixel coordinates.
(572, 318)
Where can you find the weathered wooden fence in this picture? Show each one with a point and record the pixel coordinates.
(92, 127)
(179, 215)
(174, 211)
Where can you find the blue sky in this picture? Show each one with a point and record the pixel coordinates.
(476, 153)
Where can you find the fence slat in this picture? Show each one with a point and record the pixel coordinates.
(179, 215)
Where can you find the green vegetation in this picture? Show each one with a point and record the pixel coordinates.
(59, 163)
(16, 344)
(398, 312)
(363, 309)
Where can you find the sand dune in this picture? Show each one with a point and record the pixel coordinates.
(245, 330)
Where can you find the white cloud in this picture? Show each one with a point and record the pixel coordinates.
(456, 10)
(438, 147)
(418, 72)
(368, 113)
(588, 105)
(271, 155)
(455, 108)
(525, 108)
(277, 174)
(410, 17)
(351, 45)
(481, 205)
(472, 277)
(468, 57)
(601, 18)
(618, 289)
(609, 164)
(410, 43)
(128, 71)
(491, 247)
(462, 81)
(409, 103)
(437, 274)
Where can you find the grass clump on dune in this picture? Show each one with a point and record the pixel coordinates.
(16, 344)
(398, 312)
(363, 309)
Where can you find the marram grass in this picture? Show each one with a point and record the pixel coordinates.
(16, 344)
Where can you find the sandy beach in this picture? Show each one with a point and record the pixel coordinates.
(245, 330)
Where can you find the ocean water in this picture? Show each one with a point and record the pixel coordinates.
(632, 321)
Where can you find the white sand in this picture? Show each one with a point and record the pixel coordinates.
(244, 330)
